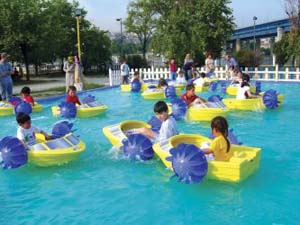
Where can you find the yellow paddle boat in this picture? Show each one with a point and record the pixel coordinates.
(157, 94)
(254, 104)
(7, 109)
(232, 89)
(55, 152)
(242, 164)
(127, 87)
(117, 132)
(85, 110)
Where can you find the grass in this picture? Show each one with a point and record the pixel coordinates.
(62, 90)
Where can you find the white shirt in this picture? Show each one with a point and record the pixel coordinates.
(241, 92)
(168, 129)
(199, 81)
(78, 86)
(124, 69)
(28, 135)
(180, 80)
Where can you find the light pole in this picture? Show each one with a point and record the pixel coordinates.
(78, 14)
(121, 42)
(254, 39)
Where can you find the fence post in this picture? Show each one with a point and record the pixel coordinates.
(110, 76)
(276, 72)
(286, 74)
(297, 73)
(266, 73)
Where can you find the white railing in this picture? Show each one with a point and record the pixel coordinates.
(268, 74)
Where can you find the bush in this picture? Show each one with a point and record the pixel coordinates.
(281, 50)
(247, 58)
(136, 61)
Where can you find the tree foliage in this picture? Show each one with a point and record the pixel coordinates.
(191, 26)
(282, 50)
(42, 31)
(247, 58)
(141, 21)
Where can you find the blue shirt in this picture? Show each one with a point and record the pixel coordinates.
(5, 69)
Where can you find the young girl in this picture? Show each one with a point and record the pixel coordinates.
(244, 90)
(220, 146)
(162, 83)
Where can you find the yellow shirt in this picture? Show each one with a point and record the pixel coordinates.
(219, 147)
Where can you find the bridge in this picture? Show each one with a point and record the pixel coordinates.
(274, 29)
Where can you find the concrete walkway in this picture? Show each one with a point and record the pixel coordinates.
(55, 82)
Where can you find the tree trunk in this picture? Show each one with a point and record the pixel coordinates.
(36, 69)
(144, 48)
(62, 65)
(24, 50)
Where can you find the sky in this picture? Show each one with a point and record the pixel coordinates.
(103, 13)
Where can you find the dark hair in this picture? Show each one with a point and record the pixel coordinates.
(180, 71)
(162, 82)
(189, 87)
(160, 107)
(136, 73)
(72, 88)
(25, 90)
(245, 80)
(202, 75)
(221, 125)
(22, 118)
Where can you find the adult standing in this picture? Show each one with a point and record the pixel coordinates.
(209, 65)
(172, 69)
(188, 66)
(231, 66)
(69, 68)
(125, 72)
(6, 70)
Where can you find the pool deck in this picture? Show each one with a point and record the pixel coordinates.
(54, 83)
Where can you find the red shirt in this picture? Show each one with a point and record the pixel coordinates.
(29, 99)
(73, 99)
(172, 67)
(189, 100)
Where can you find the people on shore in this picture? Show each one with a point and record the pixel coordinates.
(124, 72)
(172, 69)
(209, 65)
(69, 68)
(6, 70)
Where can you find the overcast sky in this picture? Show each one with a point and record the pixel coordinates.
(103, 13)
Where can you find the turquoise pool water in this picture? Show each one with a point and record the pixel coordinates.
(103, 188)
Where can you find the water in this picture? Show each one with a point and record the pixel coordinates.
(102, 188)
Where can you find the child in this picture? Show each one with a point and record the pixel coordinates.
(71, 96)
(190, 97)
(26, 132)
(172, 69)
(243, 91)
(78, 84)
(168, 127)
(201, 81)
(220, 146)
(237, 79)
(124, 72)
(136, 76)
(25, 93)
(162, 83)
(180, 79)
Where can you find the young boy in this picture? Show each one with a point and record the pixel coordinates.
(25, 93)
(26, 132)
(168, 127)
(190, 97)
(201, 81)
(180, 79)
(71, 96)
(136, 76)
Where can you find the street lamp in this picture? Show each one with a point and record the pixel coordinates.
(78, 14)
(254, 38)
(121, 42)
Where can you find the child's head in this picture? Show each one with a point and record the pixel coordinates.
(72, 90)
(219, 126)
(162, 83)
(203, 75)
(23, 120)
(77, 80)
(180, 73)
(245, 80)
(136, 75)
(161, 110)
(70, 59)
(25, 91)
(172, 60)
(190, 90)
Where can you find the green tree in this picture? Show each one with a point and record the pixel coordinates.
(141, 21)
(191, 26)
(282, 50)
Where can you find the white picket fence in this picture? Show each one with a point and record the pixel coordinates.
(268, 74)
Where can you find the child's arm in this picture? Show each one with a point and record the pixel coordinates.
(200, 100)
(207, 151)
(146, 131)
(47, 137)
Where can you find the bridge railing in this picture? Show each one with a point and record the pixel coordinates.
(266, 74)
